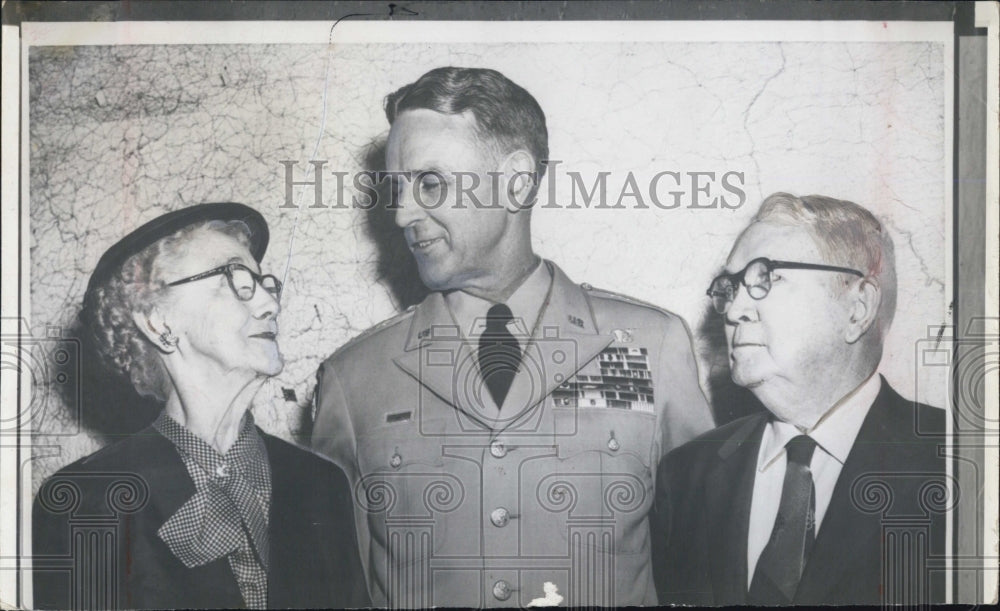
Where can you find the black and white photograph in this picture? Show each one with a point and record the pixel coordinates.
(413, 305)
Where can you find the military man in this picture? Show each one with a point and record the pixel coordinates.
(502, 436)
(836, 495)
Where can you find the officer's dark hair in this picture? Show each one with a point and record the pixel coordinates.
(507, 116)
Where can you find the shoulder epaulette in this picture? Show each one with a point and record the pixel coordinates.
(385, 324)
(605, 294)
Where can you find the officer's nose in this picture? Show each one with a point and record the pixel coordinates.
(408, 209)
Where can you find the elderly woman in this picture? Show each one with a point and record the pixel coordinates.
(201, 509)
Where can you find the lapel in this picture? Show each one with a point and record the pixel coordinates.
(729, 490)
(845, 530)
(170, 486)
(438, 357)
(163, 470)
(285, 527)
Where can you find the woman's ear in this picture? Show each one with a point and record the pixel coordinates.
(152, 325)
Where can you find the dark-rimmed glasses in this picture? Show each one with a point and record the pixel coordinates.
(756, 276)
(242, 280)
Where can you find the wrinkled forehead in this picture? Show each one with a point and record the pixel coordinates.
(778, 242)
(203, 249)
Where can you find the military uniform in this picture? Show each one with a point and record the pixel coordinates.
(465, 504)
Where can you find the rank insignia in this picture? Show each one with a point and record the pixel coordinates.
(623, 336)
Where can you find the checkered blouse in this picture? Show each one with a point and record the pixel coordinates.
(228, 514)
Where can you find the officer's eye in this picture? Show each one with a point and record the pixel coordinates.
(430, 182)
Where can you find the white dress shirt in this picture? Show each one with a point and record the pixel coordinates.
(525, 304)
(834, 435)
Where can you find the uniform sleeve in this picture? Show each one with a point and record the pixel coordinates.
(686, 413)
(333, 433)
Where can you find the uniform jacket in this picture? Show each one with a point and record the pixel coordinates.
(95, 524)
(890, 495)
(462, 504)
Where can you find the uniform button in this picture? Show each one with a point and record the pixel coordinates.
(586, 286)
(395, 461)
(500, 516)
(222, 470)
(498, 449)
(502, 590)
(613, 444)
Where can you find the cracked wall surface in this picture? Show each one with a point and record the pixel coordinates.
(120, 134)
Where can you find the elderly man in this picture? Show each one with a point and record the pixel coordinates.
(502, 435)
(815, 500)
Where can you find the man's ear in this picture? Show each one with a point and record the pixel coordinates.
(865, 297)
(155, 328)
(520, 180)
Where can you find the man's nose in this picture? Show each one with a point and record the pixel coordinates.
(743, 308)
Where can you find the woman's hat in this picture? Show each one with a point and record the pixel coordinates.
(171, 222)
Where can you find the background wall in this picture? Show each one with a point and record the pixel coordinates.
(120, 134)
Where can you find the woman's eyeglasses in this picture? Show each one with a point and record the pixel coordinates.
(242, 281)
(756, 276)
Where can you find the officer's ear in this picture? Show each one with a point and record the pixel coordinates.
(864, 297)
(520, 181)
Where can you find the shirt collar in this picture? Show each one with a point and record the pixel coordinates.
(835, 432)
(246, 454)
(525, 304)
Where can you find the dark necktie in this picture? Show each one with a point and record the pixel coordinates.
(499, 353)
(780, 566)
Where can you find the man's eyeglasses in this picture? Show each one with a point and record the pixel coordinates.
(242, 281)
(756, 276)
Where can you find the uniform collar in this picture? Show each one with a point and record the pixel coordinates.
(835, 432)
(525, 303)
(568, 313)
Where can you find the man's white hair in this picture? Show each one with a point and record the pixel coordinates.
(847, 235)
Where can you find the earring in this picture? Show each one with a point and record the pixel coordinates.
(167, 338)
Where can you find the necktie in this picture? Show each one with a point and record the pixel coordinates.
(499, 353)
(780, 566)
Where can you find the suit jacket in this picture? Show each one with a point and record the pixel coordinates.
(890, 495)
(462, 504)
(95, 524)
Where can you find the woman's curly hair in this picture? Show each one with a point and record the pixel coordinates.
(108, 308)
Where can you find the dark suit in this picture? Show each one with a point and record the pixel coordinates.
(890, 493)
(115, 500)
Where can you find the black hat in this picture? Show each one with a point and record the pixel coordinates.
(171, 222)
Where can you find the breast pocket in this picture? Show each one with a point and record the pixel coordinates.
(405, 483)
(601, 480)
